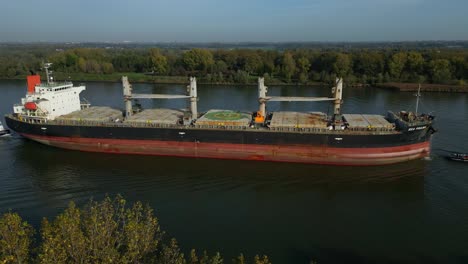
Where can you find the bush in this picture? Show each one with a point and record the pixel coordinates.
(109, 231)
(104, 231)
(15, 239)
(241, 77)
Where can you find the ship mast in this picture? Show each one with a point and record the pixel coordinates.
(337, 98)
(417, 99)
(48, 73)
(129, 95)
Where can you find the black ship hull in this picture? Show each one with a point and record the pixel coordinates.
(334, 147)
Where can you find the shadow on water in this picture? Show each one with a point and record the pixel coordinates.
(412, 212)
(236, 199)
(192, 174)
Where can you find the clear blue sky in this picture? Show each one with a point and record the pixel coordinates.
(233, 21)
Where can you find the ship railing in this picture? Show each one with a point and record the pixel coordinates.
(33, 119)
(55, 84)
(177, 126)
(314, 129)
(221, 127)
(140, 124)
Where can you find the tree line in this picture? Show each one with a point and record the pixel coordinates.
(360, 66)
(109, 231)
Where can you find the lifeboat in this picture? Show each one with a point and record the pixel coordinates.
(31, 106)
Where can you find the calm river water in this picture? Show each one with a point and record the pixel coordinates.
(415, 212)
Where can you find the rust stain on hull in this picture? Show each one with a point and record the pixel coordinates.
(284, 153)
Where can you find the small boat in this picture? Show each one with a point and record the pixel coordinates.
(3, 131)
(458, 157)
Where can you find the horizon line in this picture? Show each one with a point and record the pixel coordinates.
(229, 42)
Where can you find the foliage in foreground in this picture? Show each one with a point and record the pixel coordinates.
(108, 231)
(15, 239)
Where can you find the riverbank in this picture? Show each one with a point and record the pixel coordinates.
(146, 78)
(425, 87)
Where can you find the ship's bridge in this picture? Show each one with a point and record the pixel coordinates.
(53, 87)
(47, 101)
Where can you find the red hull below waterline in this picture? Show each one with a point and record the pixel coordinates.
(277, 153)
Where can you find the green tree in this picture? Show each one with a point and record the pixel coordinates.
(158, 62)
(171, 254)
(92, 66)
(252, 63)
(220, 66)
(205, 258)
(241, 77)
(415, 62)
(342, 64)
(368, 65)
(240, 259)
(440, 71)
(108, 231)
(261, 260)
(64, 240)
(71, 60)
(11, 72)
(460, 67)
(397, 64)
(303, 65)
(82, 65)
(15, 239)
(269, 58)
(197, 60)
(107, 67)
(103, 232)
(288, 66)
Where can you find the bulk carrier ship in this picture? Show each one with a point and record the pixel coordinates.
(52, 113)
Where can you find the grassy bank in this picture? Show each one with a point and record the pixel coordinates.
(252, 80)
(425, 87)
(145, 78)
(116, 77)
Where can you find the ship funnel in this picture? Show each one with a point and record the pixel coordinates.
(33, 80)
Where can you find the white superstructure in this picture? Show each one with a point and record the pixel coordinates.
(49, 100)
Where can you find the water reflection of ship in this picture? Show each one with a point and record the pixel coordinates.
(201, 174)
(297, 202)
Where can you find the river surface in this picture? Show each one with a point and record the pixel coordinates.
(415, 212)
